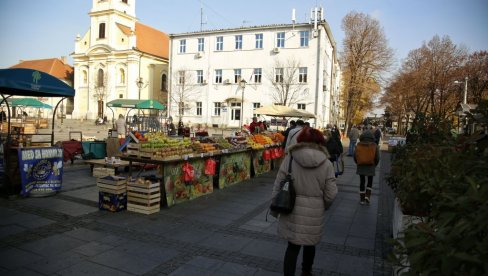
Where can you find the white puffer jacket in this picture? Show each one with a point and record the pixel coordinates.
(315, 186)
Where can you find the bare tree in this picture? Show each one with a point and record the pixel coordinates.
(365, 57)
(184, 90)
(476, 69)
(288, 79)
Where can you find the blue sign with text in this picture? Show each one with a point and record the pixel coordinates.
(41, 169)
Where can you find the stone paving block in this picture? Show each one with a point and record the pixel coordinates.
(52, 245)
(237, 269)
(53, 264)
(90, 269)
(206, 263)
(126, 262)
(8, 230)
(92, 249)
(85, 234)
(334, 238)
(6, 214)
(89, 193)
(324, 260)
(356, 266)
(225, 242)
(265, 249)
(220, 213)
(186, 234)
(360, 242)
(23, 219)
(262, 272)
(24, 272)
(146, 251)
(111, 240)
(367, 230)
(210, 219)
(188, 270)
(14, 258)
(62, 206)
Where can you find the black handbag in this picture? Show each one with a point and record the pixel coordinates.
(284, 201)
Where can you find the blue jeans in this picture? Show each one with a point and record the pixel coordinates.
(352, 146)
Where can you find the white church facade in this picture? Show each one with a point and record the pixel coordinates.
(118, 58)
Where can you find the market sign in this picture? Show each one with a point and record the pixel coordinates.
(41, 169)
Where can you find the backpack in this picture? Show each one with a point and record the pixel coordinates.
(365, 153)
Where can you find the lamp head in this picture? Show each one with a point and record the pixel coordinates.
(242, 84)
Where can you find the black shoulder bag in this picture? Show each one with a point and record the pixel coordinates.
(284, 200)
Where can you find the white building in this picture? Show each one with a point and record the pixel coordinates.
(291, 64)
(118, 58)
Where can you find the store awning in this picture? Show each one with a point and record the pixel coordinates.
(28, 82)
(282, 111)
(138, 104)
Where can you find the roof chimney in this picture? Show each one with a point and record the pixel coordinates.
(64, 59)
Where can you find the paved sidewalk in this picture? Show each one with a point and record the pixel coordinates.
(224, 233)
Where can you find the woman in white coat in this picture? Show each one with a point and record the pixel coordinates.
(315, 186)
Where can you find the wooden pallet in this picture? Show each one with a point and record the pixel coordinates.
(147, 210)
(102, 172)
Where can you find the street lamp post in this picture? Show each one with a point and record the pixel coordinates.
(140, 85)
(242, 84)
(465, 100)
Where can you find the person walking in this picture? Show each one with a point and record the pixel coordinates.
(121, 126)
(367, 157)
(315, 187)
(377, 134)
(293, 134)
(353, 136)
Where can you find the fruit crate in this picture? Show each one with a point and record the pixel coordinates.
(112, 184)
(143, 196)
(102, 172)
(112, 202)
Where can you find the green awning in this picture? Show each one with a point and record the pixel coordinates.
(138, 104)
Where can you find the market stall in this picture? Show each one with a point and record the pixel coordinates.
(140, 122)
(31, 168)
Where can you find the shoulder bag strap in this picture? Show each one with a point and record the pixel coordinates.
(289, 164)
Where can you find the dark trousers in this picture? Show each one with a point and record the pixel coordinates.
(362, 180)
(291, 255)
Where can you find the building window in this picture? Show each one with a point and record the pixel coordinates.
(279, 75)
(259, 41)
(85, 77)
(164, 83)
(201, 44)
(302, 74)
(181, 77)
(121, 96)
(280, 40)
(255, 106)
(237, 75)
(258, 72)
(182, 46)
(301, 106)
(124, 1)
(121, 76)
(199, 108)
(220, 43)
(100, 78)
(181, 108)
(218, 76)
(217, 108)
(304, 36)
(200, 76)
(238, 42)
(101, 30)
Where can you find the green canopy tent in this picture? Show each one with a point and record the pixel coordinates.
(134, 104)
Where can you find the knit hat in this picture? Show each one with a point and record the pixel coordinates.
(367, 136)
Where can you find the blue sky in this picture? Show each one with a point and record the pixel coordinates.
(44, 29)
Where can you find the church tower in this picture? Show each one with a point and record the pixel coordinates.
(117, 58)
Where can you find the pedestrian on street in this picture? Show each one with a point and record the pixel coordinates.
(287, 131)
(315, 187)
(377, 134)
(293, 134)
(353, 136)
(367, 157)
(121, 126)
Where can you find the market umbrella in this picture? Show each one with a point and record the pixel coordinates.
(28, 82)
(138, 104)
(28, 102)
(282, 111)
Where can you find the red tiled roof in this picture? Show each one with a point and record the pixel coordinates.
(52, 66)
(152, 41)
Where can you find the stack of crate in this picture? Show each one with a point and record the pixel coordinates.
(143, 196)
(101, 172)
(112, 193)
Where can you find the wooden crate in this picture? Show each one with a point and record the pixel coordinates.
(101, 172)
(144, 197)
(112, 184)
